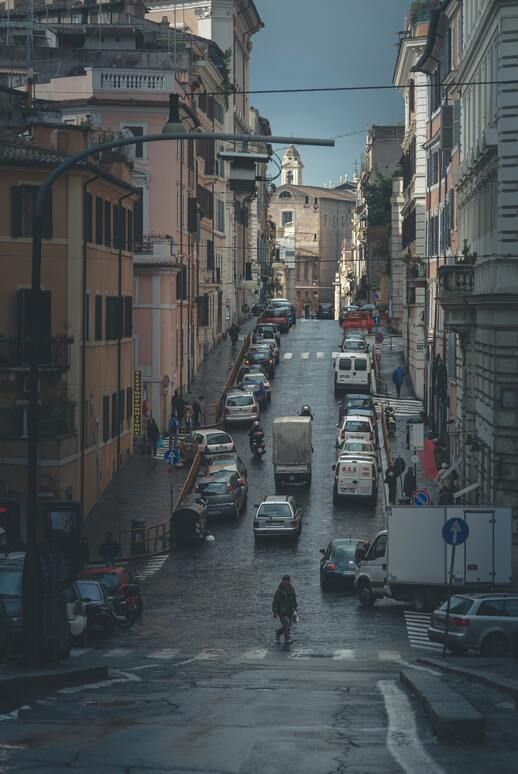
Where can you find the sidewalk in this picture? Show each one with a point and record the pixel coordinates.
(145, 489)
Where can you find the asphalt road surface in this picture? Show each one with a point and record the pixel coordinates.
(199, 685)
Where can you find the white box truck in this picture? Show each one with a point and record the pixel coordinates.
(292, 450)
(410, 560)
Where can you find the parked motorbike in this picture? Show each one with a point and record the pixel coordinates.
(390, 419)
(258, 447)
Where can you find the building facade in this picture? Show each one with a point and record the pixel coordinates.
(86, 357)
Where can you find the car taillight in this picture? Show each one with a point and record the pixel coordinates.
(331, 566)
(459, 621)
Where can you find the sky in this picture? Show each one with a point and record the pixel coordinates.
(327, 43)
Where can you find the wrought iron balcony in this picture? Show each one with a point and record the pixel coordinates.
(53, 354)
(456, 284)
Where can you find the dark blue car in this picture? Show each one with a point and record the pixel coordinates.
(339, 562)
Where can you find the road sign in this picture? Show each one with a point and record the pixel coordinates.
(172, 456)
(421, 497)
(455, 531)
(415, 435)
(379, 338)
(414, 459)
(376, 296)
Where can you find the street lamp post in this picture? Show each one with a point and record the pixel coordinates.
(32, 586)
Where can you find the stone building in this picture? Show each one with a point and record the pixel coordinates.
(311, 224)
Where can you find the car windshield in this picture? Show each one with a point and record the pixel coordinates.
(344, 552)
(355, 426)
(354, 345)
(357, 403)
(252, 380)
(212, 440)
(355, 446)
(274, 510)
(458, 605)
(214, 487)
(223, 459)
(108, 580)
(11, 582)
(91, 591)
(239, 400)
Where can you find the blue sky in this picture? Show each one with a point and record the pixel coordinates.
(329, 43)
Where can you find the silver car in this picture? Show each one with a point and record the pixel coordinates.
(278, 515)
(240, 406)
(484, 622)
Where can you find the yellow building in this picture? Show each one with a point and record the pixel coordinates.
(86, 360)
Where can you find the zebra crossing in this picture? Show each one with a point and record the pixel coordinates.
(295, 652)
(151, 566)
(310, 355)
(403, 407)
(417, 630)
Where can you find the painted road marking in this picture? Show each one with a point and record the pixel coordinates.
(164, 654)
(417, 630)
(388, 655)
(301, 653)
(320, 355)
(402, 736)
(257, 654)
(304, 355)
(345, 654)
(288, 355)
(75, 652)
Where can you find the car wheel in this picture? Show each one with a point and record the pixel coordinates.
(336, 498)
(366, 595)
(495, 645)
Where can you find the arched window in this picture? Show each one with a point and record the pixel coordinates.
(289, 178)
(284, 195)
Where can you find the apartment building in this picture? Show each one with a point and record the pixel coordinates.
(86, 359)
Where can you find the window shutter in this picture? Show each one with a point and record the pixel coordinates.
(116, 239)
(130, 230)
(99, 220)
(210, 255)
(128, 317)
(447, 127)
(89, 214)
(115, 418)
(107, 224)
(106, 418)
(192, 215)
(16, 211)
(46, 219)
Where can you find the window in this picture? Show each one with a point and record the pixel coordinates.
(511, 607)
(205, 201)
(137, 131)
(220, 222)
(22, 204)
(307, 200)
(360, 365)
(206, 150)
(106, 417)
(113, 318)
(181, 285)
(289, 178)
(378, 548)
(203, 310)
(99, 220)
(89, 216)
(130, 230)
(287, 218)
(116, 235)
(98, 318)
(128, 317)
(138, 218)
(123, 218)
(107, 224)
(87, 316)
(121, 408)
(210, 255)
(248, 270)
(344, 364)
(492, 607)
(115, 415)
(285, 195)
(325, 220)
(411, 96)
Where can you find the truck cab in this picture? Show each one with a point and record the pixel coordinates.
(371, 578)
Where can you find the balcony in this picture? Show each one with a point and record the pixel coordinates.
(156, 250)
(53, 354)
(148, 81)
(455, 288)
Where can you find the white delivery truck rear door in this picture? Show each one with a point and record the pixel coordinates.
(486, 556)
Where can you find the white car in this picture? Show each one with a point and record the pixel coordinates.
(355, 428)
(206, 441)
(278, 515)
(352, 446)
(240, 406)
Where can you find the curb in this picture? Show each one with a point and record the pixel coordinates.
(19, 689)
(505, 685)
(453, 718)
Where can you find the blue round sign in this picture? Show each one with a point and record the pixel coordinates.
(421, 497)
(455, 531)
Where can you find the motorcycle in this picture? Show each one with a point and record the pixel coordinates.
(258, 447)
(390, 419)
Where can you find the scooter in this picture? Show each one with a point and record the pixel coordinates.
(390, 419)
(258, 447)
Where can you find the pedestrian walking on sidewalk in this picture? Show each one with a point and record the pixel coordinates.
(188, 417)
(391, 481)
(180, 411)
(174, 402)
(196, 413)
(153, 436)
(398, 377)
(409, 483)
(109, 549)
(284, 607)
(203, 412)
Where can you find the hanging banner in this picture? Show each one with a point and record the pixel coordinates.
(137, 403)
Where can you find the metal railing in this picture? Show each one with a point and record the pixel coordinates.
(53, 353)
(456, 279)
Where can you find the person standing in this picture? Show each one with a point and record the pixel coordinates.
(180, 411)
(188, 417)
(153, 435)
(109, 549)
(398, 377)
(284, 607)
(174, 401)
(196, 413)
(409, 483)
(391, 481)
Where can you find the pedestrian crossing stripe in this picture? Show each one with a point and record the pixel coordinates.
(288, 355)
(417, 631)
(151, 566)
(254, 654)
(304, 355)
(320, 355)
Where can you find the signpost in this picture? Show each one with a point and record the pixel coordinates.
(137, 403)
(455, 532)
(421, 497)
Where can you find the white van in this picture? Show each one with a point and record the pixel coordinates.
(355, 427)
(355, 476)
(352, 372)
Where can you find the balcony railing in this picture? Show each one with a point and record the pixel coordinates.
(132, 80)
(53, 354)
(457, 279)
(154, 248)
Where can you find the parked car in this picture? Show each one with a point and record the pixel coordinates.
(352, 372)
(362, 320)
(363, 448)
(351, 401)
(263, 358)
(225, 493)
(355, 476)
(325, 312)
(207, 441)
(354, 344)
(226, 461)
(355, 427)
(93, 600)
(344, 311)
(255, 386)
(250, 369)
(280, 316)
(278, 515)
(268, 328)
(339, 562)
(240, 406)
(261, 343)
(116, 581)
(487, 623)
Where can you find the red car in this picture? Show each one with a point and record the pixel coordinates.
(115, 580)
(358, 320)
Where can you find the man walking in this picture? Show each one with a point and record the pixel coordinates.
(284, 607)
(109, 549)
(391, 481)
(196, 413)
(398, 377)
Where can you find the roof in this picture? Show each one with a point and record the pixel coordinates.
(276, 498)
(318, 192)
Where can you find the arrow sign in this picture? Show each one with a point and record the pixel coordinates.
(455, 532)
